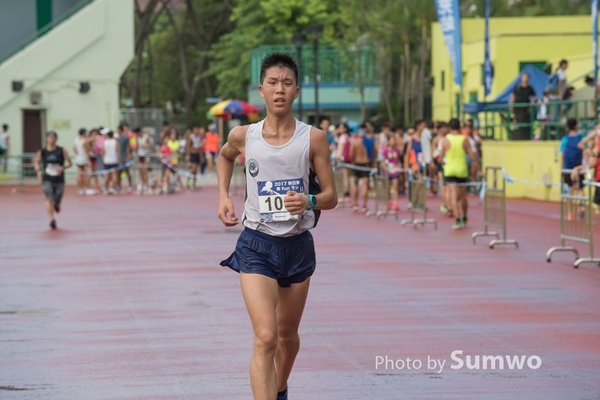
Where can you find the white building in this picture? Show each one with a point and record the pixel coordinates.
(64, 78)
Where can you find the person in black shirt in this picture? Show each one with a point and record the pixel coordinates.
(523, 93)
(54, 160)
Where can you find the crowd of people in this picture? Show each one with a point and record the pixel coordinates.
(105, 159)
(445, 155)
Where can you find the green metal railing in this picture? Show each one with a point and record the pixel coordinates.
(42, 31)
(336, 64)
(521, 121)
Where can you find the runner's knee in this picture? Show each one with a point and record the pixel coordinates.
(265, 340)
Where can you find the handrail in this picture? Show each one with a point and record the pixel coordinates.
(519, 121)
(42, 31)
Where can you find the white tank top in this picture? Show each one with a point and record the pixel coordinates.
(271, 171)
(4, 140)
(110, 152)
(81, 157)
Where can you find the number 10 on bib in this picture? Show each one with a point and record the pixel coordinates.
(271, 196)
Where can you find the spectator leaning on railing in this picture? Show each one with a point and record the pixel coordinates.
(523, 93)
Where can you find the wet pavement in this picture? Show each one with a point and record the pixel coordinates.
(127, 301)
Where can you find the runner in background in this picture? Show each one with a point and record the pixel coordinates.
(475, 143)
(400, 142)
(145, 146)
(194, 151)
(124, 156)
(426, 129)
(54, 160)
(455, 147)
(393, 166)
(81, 151)
(172, 157)
(381, 140)
(343, 156)
(572, 157)
(110, 158)
(211, 147)
(359, 157)
(203, 162)
(95, 153)
(438, 162)
(592, 142)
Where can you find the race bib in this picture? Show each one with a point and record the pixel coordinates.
(270, 199)
(52, 169)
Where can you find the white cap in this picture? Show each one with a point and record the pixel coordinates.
(104, 131)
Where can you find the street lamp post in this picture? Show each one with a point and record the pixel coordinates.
(298, 40)
(314, 31)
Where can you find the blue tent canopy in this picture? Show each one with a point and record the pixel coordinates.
(537, 79)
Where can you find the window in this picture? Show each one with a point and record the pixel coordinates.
(472, 97)
(537, 64)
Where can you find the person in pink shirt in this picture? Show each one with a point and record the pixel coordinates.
(393, 167)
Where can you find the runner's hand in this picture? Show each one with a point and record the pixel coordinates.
(296, 203)
(227, 212)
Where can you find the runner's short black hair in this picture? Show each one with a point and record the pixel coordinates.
(5, 127)
(82, 131)
(454, 124)
(281, 60)
(52, 133)
(571, 123)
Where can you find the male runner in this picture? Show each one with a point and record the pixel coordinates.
(442, 131)
(123, 137)
(359, 156)
(195, 145)
(455, 147)
(54, 160)
(275, 253)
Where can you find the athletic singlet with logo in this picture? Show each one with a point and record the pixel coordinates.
(272, 171)
(456, 161)
(51, 161)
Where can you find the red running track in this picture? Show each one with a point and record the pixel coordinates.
(127, 301)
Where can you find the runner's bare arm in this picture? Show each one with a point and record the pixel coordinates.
(445, 146)
(469, 151)
(581, 145)
(234, 147)
(321, 164)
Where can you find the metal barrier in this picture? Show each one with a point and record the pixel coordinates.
(16, 170)
(418, 204)
(494, 207)
(381, 188)
(576, 225)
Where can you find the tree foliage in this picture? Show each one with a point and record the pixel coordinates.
(202, 48)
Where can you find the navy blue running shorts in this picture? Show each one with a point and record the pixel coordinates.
(288, 260)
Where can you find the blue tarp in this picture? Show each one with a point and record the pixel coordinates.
(537, 79)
